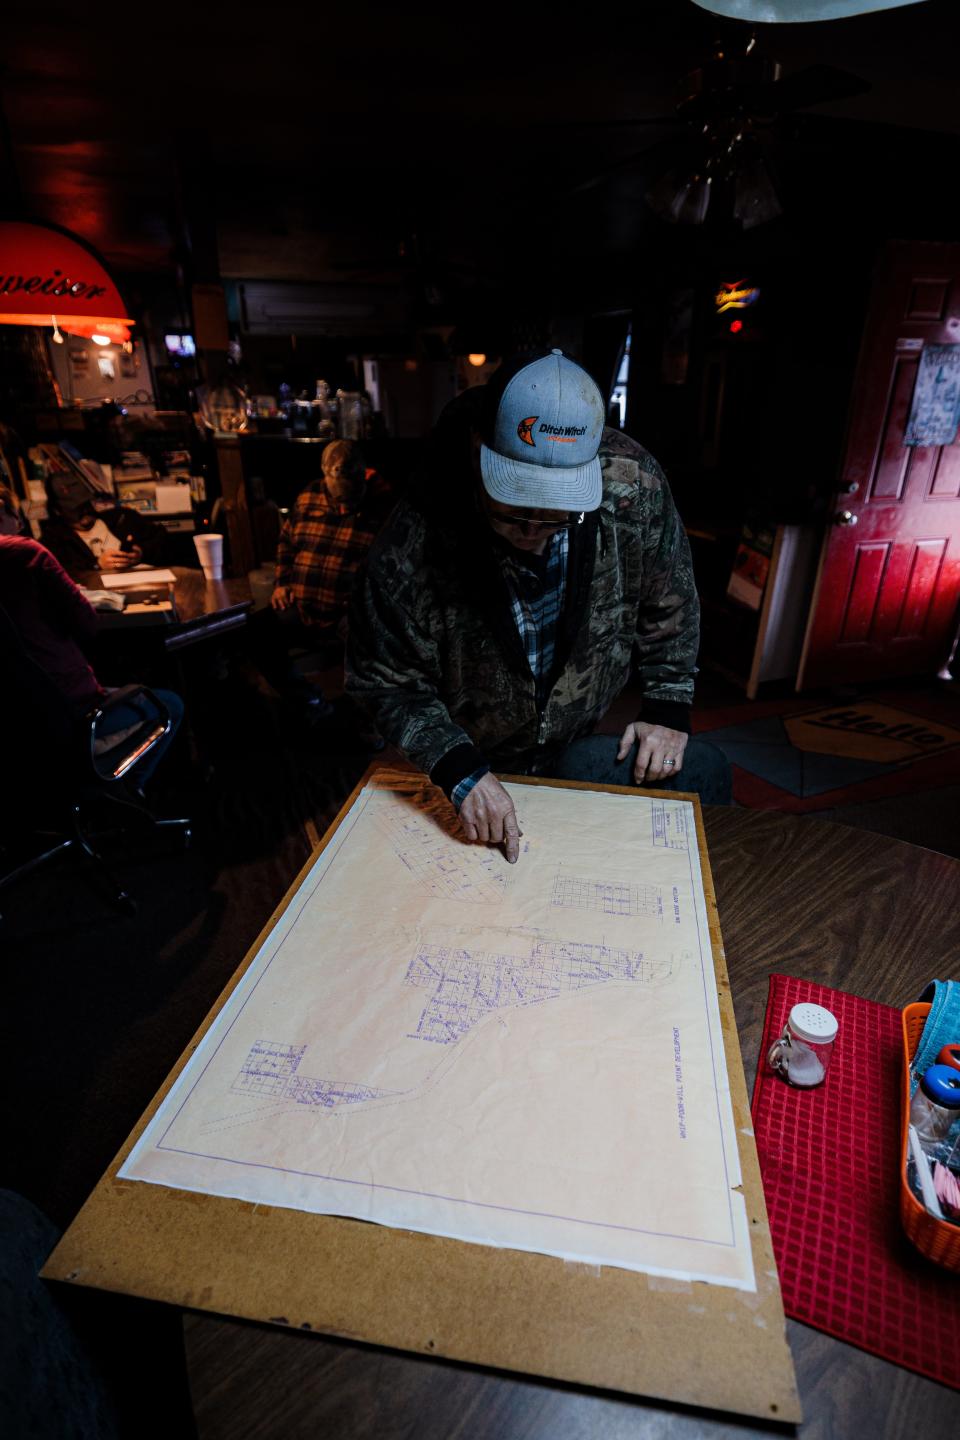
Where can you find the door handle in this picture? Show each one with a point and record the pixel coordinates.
(846, 517)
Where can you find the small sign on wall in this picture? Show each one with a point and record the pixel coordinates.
(936, 397)
(210, 317)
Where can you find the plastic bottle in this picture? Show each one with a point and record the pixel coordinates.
(326, 424)
(935, 1107)
(351, 415)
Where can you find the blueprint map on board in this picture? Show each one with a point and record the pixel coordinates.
(523, 1055)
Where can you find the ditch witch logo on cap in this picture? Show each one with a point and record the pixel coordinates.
(565, 436)
(543, 450)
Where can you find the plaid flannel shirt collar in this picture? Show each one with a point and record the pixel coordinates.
(536, 600)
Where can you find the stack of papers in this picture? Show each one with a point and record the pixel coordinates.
(126, 579)
(103, 599)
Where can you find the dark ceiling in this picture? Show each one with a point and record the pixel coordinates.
(454, 139)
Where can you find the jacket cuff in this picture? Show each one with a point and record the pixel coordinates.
(455, 766)
(671, 713)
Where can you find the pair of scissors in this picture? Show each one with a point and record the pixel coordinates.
(950, 1055)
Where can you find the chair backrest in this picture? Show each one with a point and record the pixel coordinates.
(33, 706)
(46, 751)
(38, 731)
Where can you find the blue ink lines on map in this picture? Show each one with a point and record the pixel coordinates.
(609, 897)
(448, 872)
(467, 987)
(669, 826)
(269, 1072)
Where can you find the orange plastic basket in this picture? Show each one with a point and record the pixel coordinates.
(937, 1239)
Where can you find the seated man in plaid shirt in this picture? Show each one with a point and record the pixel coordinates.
(322, 543)
(504, 607)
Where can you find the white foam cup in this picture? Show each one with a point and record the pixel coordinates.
(210, 553)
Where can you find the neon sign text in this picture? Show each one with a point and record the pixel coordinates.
(736, 296)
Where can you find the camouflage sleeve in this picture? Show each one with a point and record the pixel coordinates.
(392, 668)
(668, 626)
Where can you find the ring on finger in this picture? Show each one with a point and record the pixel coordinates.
(669, 762)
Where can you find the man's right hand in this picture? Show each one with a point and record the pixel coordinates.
(488, 817)
(282, 597)
(113, 560)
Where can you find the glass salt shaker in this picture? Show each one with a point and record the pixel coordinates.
(803, 1051)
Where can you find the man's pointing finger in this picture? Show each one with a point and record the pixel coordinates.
(511, 838)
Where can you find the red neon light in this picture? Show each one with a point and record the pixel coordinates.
(736, 326)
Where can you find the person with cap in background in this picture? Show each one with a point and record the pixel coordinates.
(536, 568)
(83, 538)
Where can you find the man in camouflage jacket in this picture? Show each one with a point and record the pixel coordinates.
(437, 650)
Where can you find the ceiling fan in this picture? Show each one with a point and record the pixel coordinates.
(730, 112)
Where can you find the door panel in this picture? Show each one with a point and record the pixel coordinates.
(920, 588)
(870, 561)
(893, 458)
(946, 474)
(889, 583)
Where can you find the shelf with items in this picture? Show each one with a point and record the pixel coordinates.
(754, 620)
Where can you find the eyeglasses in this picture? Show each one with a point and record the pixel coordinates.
(524, 522)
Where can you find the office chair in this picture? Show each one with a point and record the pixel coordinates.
(54, 768)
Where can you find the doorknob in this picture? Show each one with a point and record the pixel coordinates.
(846, 517)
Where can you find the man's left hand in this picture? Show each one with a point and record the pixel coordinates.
(660, 755)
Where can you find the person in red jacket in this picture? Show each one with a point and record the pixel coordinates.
(54, 622)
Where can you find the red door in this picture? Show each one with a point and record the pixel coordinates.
(887, 591)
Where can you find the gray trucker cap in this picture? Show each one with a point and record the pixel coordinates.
(546, 435)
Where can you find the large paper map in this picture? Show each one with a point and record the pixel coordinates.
(526, 1056)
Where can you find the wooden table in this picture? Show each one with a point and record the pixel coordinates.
(845, 907)
(202, 608)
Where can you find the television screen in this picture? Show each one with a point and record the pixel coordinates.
(182, 345)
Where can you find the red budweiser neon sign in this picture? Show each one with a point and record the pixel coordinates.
(48, 277)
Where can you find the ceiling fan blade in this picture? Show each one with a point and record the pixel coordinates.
(610, 124)
(815, 85)
(654, 158)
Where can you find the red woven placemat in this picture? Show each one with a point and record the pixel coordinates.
(829, 1158)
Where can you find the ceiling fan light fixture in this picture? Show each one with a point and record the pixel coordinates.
(755, 198)
(681, 199)
(793, 12)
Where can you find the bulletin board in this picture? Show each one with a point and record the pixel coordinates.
(595, 1324)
